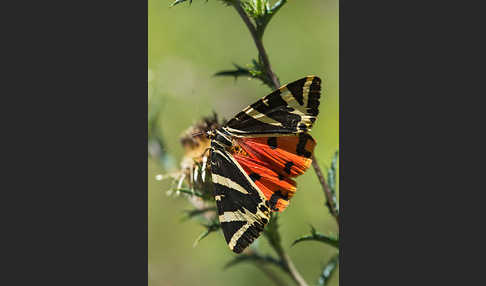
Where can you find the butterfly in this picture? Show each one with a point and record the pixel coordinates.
(255, 155)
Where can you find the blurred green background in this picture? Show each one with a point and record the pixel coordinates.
(187, 45)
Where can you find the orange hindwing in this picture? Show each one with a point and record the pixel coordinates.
(271, 161)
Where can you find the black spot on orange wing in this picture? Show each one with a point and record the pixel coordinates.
(301, 151)
(255, 177)
(272, 142)
(287, 167)
(274, 199)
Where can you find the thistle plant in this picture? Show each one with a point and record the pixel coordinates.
(193, 181)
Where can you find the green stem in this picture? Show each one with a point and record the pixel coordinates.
(258, 42)
(274, 277)
(326, 189)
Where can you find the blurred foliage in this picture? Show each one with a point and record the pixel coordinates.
(261, 12)
(318, 237)
(255, 257)
(210, 227)
(331, 182)
(328, 271)
(186, 47)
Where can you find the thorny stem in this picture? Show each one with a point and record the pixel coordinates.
(293, 271)
(271, 275)
(325, 187)
(269, 272)
(276, 84)
(258, 42)
(296, 276)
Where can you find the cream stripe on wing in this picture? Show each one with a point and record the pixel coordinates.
(250, 219)
(228, 183)
(231, 216)
(261, 117)
(290, 99)
(306, 89)
(237, 235)
(291, 102)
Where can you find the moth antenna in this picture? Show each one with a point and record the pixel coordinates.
(197, 133)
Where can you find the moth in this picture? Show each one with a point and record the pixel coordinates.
(255, 155)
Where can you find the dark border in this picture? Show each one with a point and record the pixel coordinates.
(75, 193)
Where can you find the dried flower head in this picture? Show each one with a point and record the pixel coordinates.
(193, 177)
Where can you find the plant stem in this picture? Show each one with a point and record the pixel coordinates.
(259, 44)
(274, 277)
(293, 271)
(325, 187)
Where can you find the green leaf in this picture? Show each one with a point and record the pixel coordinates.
(179, 2)
(239, 71)
(331, 180)
(331, 175)
(190, 192)
(273, 235)
(315, 236)
(211, 227)
(328, 271)
(262, 22)
(196, 212)
(260, 7)
(156, 142)
(257, 71)
(254, 70)
(256, 258)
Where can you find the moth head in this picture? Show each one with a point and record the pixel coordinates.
(210, 134)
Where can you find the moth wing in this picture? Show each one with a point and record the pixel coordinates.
(277, 189)
(289, 156)
(241, 205)
(291, 109)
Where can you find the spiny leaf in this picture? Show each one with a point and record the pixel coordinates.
(239, 71)
(179, 2)
(155, 139)
(258, 71)
(272, 234)
(254, 70)
(254, 257)
(331, 175)
(318, 237)
(211, 227)
(190, 192)
(263, 21)
(328, 271)
(196, 212)
(227, 2)
(260, 7)
(331, 180)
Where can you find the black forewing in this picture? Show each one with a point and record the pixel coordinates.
(287, 110)
(247, 207)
